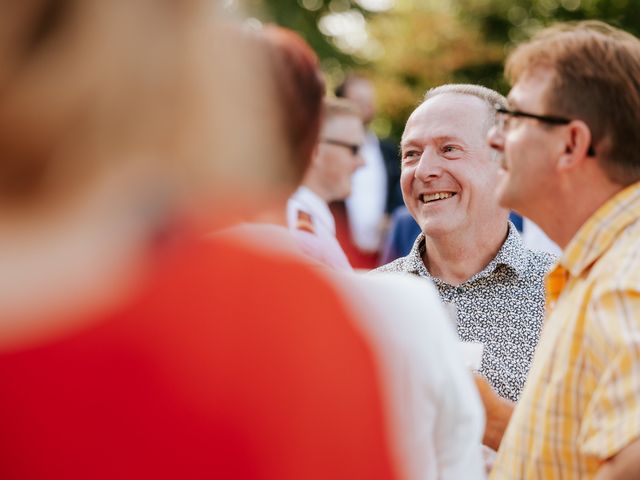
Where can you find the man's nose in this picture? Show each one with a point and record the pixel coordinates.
(429, 166)
(495, 139)
(359, 159)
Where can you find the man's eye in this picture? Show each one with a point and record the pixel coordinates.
(410, 154)
(450, 148)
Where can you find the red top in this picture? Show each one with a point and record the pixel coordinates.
(228, 364)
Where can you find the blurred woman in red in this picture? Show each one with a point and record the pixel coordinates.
(129, 348)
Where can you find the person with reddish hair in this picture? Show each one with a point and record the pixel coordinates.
(300, 89)
(321, 168)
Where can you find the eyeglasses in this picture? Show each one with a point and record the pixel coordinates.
(504, 115)
(354, 148)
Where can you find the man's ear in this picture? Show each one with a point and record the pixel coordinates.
(577, 140)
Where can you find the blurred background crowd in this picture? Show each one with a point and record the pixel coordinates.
(402, 48)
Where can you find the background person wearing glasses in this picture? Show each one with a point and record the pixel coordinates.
(327, 179)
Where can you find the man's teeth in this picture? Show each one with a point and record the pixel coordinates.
(426, 198)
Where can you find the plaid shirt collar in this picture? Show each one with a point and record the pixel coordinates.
(601, 229)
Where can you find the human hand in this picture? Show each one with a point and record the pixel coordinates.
(498, 411)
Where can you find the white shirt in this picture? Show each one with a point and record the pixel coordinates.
(367, 202)
(436, 419)
(312, 224)
(535, 239)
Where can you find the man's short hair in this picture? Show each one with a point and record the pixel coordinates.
(490, 97)
(597, 80)
(335, 107)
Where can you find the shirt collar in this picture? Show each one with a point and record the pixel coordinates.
(512, 254)
(317, 207)
(371, 139)
(601, 229)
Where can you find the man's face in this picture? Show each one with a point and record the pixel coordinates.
(360, 92)
(448, 172)
(336, 162)
(528, 149)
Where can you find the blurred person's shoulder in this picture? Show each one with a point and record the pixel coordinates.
(258, 237)
(211, 313)
(392, 290)
(424, 378)
(391, 309)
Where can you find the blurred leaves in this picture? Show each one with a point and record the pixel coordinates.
(418, 44)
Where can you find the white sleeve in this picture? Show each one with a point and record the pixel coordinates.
(435, 416)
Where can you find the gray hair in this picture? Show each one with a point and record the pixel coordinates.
(490, 97)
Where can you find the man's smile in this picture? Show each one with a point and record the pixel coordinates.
(433, 197)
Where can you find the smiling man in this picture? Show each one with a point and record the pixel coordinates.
(570, 155)
(467, 246)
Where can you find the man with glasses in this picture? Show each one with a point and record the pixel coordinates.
(328, 178)
(376, 187)
(570, 161)
(467, 247)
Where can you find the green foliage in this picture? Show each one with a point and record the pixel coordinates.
(293, 15)
(424, 43)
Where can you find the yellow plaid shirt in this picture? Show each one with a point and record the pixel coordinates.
(581, 403)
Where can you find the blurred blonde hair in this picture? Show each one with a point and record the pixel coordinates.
(117, 118)
(89, 86)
